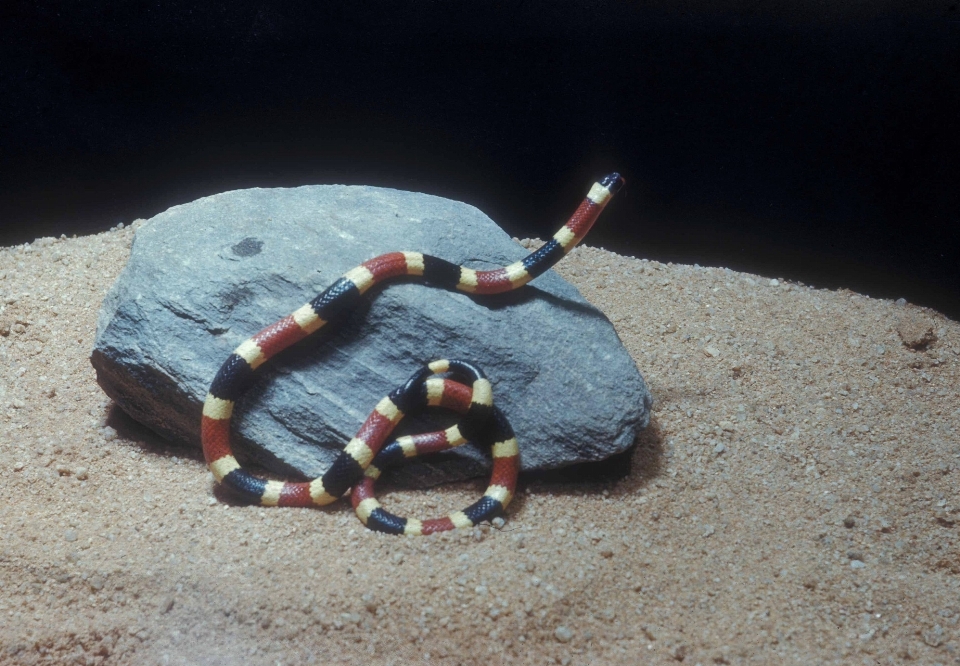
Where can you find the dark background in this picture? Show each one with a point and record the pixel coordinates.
(812, 143)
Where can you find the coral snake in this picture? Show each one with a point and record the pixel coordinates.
(462, 388)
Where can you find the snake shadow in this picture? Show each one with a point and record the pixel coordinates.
(552, 293)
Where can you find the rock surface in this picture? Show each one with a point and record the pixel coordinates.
(204, 276)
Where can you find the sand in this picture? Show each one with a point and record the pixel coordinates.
(794, 501)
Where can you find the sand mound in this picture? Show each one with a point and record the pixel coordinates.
(795, 500)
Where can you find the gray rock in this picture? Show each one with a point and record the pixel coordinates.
(204, 276)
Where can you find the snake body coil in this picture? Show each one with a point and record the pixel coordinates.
(464, 390)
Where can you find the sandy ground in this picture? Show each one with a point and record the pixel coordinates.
(794, 501)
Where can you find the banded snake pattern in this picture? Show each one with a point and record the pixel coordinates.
(452, 384)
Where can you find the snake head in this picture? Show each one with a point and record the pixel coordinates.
(613, 182)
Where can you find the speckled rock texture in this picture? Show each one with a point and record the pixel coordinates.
(205, 276)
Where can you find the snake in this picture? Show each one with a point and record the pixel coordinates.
(450, 384)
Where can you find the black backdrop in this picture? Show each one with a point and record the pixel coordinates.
(811, 143)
